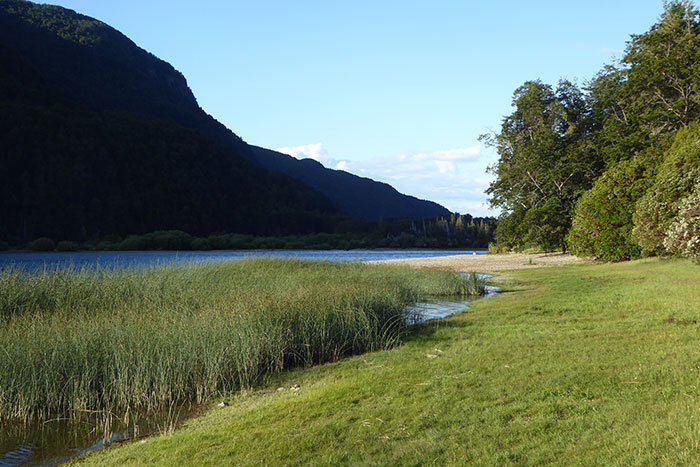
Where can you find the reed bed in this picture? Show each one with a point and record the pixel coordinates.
(120, 341)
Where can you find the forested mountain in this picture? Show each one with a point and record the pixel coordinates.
(84, 63)
(99, 137)
(611, 170)
(360, 197)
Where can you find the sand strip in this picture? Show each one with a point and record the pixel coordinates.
(491, 263)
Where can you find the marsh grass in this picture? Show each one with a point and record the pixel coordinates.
(474, 285)
(119, 341)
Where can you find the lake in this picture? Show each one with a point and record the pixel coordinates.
(33, 261)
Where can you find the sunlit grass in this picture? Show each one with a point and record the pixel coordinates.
(77, 342)
(580, 365)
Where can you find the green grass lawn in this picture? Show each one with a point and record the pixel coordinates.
(583, 365)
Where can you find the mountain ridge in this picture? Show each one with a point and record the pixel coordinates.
(74, 90)
(358, 196)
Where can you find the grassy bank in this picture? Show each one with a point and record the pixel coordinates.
(582, 365)
(78, 342)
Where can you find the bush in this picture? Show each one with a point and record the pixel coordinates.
(677, 175)
(159, 240)
(201, 244)
(602, 225)
(67, 246)
(106, 246)
(4, 246)
(132, 243)
(230, 241)
(42, 244)
(683, 236)
(510, 232)
(169, 240)
(495, 248)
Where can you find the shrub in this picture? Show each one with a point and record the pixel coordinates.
(201, 244)
(495, 248)
(67, 246)
(602, 225)
(106, 246)
(42, 244)
(158, 240)
(132, 243)
(169, 240)
(683, 236)
(230, 241)
(510, 231)
(676, 177)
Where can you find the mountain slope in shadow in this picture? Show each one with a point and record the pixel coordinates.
(357, 196)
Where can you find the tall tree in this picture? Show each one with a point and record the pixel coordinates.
(638, 107)
(654, 91)
(544, 165)
(663, 65)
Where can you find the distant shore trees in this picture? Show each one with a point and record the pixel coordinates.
(456, 231)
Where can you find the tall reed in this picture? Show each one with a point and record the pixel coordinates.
(75, 342)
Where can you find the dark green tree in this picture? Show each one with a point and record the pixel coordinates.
(663, 65)
(603, 229)
(637, 107)
(545, 164)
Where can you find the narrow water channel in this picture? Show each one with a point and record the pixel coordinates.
(442, 307)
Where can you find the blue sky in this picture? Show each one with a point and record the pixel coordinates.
(397, 91)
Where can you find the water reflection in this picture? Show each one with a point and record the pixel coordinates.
(436, 308)
(57, 441)
(442, 307)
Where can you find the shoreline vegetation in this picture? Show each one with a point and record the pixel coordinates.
(135, 341)
(454, 231)
(583, 364)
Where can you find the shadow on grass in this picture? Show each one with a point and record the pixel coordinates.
(428, 331)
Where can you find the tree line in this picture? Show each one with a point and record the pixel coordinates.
(455, 231)
(610, 169)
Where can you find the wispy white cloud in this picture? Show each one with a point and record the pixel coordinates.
(445, 167)
(314, 151)
(458, 154)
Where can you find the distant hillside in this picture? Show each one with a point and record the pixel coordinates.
(100, 137)
(87, 64)
(358, 196)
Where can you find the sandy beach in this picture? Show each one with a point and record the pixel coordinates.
(492, 263)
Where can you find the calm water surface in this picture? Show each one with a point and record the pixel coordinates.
(124, 259)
